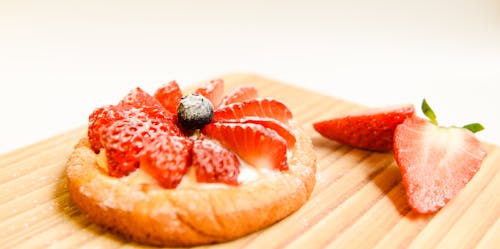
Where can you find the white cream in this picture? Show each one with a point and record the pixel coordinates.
(139, 177)
(246, 175)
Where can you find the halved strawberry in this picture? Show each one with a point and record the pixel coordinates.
(123, 147)
(212, 90)
(240, 94)
(169, 95)
(125, 137)
(151, 107)
(124, 129)
(257, 145)
(372, 129)
(264, 107)
(214, 163)
(282, 130)
(99, 119)
(435, 162)
(138, 98)
(167, 158)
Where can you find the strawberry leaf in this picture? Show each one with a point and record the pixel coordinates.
(474, 127)
(427, 110)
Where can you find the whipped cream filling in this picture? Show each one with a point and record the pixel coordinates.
(139, 177)
(247, 174)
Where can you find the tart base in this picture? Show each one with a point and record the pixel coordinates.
(187, 217)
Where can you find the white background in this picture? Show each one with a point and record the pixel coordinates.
(60, 60)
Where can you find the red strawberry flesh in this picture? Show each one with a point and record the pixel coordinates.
(99, 119)
(125, 137)
(138, 98)
(257, 145)
(167, 159)
(265, 107)
(214, 163)
(124, 129)
(435, 162)
(169, 95)
(123, 147)
(240, 94)
(282, 130)
(371, 129)
(212, 90)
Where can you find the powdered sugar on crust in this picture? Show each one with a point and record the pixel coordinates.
(138, 208)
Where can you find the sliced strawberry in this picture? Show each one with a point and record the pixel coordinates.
(123, 131)
(266, 107)
(212, 90)
(169, 95)
(123, 147)
(257, 145)
(240, 94)
(371, 130)
(163, 124)
(167, 159)
(215, 163)
(138, 98)
(125, 138)
(435, 162)
(282, 130)
(99, 119)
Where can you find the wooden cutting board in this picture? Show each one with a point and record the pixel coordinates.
(358, 201)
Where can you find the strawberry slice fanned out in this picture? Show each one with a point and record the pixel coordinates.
(261, 107)
(372, 129)
(169, 95)
(284, 131)
(240, 94)
(257, 145)
(214, 163)
(212, 90)
(435, 162)
(167, 158)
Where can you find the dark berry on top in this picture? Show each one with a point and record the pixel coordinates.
(194, 111)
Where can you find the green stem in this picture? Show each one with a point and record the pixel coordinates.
(427, 110)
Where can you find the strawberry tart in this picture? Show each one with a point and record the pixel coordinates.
(177, 170)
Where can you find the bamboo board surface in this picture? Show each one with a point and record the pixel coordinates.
(358, 200)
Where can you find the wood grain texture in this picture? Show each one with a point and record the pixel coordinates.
(358, 201)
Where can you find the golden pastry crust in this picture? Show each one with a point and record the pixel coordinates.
(185, 216)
